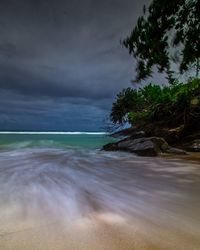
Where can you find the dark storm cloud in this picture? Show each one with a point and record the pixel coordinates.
(66, 52)
(31, 113)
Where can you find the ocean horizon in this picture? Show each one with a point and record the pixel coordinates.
(55, 132)
(53, 139)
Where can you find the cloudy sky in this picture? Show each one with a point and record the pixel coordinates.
(61, 62)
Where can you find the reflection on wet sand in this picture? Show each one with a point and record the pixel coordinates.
(75, 199)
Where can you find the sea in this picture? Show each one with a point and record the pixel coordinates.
(59, 190)
(84, 140)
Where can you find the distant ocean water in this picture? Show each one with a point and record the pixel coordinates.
(87, 140)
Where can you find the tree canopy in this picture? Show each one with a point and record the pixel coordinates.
(168, 31)
(177, 104)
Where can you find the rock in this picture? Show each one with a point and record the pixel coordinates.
(137, 135)
(177, 130)
(192, 137)
(177, 151)
(123, 133)
(193, 146)
(170, 135)
(110, 147)
(146, 146)
(130, 132)
(141, 146)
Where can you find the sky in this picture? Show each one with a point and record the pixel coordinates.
(61, 62)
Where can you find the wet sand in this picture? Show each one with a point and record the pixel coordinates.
(192, 157)
(58, 199)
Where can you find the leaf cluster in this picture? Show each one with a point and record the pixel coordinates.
(166, 26)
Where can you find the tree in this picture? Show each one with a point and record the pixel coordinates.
(167, 27)
(188, 34)
(172, 105)
(127, 100)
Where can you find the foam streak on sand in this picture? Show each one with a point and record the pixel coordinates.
(57, 199)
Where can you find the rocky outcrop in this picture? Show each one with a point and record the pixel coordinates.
(111, 147)
(171, 135)
(142, 146)
(193, 146)
(192, 137)
(130, 132)
(145, 146)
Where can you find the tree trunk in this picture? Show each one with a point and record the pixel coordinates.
(197, 68)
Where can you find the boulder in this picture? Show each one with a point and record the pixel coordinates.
(130, 132)
(190, 138)
(141, 146)
(123, 133)
(193, 146)
(146, 146)
(110, 147)
(176, 151)
(170, 135)
(138, 134)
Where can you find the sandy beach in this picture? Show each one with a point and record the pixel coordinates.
(56, 200)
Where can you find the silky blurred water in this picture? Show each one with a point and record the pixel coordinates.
(78, 197)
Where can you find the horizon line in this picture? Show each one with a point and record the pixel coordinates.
(53, 132)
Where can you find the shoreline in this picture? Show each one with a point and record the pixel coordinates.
(190, 157)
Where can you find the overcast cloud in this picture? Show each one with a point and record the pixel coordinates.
(61, 63)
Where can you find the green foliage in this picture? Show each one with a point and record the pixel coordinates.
(137, 117)
(154, 102)
(166, 25)
(127, 100)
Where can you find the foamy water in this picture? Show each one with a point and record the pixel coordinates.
(87, 199)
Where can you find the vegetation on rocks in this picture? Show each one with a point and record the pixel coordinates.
(173, 105)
